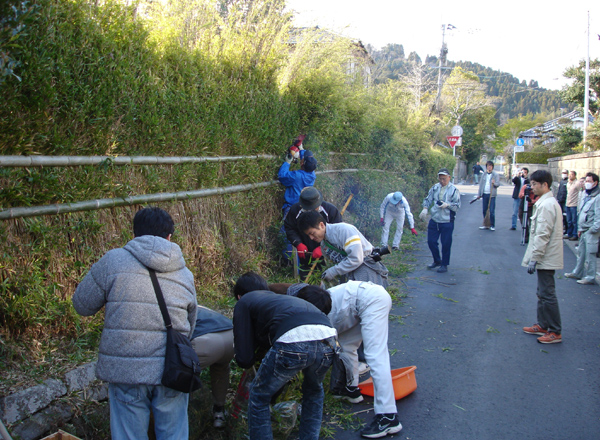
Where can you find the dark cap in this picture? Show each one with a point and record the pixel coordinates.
(310, 163)
(444, 171)
(310, 198)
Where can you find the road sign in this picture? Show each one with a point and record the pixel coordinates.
(519, 148)
(457, 130)
(452, 140)
(520, 142)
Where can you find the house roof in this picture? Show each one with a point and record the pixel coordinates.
(549, 126)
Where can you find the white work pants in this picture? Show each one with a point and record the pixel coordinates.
(390, 216)
(373, 305)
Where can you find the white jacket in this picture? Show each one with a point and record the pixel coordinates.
(395, 210)
(351, 242)
(546, 232)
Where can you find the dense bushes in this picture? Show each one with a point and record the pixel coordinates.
(183, 79)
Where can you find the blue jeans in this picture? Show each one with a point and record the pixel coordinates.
(492, 205)
(287, 246)
(516, 203)
(280, 365)
(442, 232)
(572, 221)
(130, 407)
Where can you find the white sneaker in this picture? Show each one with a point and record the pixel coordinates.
(492, 229)
(363, 368)
(484, 227)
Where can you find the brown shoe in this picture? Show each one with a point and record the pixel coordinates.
(535, 329)
(550, 338)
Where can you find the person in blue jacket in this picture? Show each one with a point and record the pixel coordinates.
(295, 182)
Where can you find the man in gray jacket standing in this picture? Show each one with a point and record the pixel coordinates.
(444, 200)
(133, 341)
(588, 229)
(545, 254)
(488, 189)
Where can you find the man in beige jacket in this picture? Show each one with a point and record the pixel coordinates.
(545, 253)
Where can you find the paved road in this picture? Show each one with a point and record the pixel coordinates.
(479, 376)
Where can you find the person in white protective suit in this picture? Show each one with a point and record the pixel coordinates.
(395, 207)
(360, 314)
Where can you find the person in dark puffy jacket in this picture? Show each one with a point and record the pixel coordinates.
(133, 341)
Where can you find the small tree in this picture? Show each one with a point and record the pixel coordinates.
(568, 139)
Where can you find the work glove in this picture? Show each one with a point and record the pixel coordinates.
(423, 214)
(329, 274)
(317, 253)
(382, 222)
(288, 157)
(302, 250)
(531, 267)
(414, 231)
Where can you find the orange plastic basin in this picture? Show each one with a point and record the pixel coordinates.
(403, 379)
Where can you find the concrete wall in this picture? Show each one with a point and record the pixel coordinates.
(34, 412)
(580, 163)
(460, 170)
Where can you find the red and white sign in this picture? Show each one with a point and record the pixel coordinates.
(452, 140)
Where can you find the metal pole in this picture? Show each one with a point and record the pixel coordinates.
(586, 105)
(442, 55)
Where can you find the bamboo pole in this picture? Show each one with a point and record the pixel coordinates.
(91, 205)
(68, 161)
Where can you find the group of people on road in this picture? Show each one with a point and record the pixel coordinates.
(292, 328)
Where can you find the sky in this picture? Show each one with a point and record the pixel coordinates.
(530, 39)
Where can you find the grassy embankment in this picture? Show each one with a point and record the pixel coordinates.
(101, 81)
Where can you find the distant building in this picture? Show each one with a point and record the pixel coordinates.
(545, 132)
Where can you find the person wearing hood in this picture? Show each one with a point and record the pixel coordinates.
(588, 230)
(395, 207)
(133, 341)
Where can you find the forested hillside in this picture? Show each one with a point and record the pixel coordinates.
(516, 97)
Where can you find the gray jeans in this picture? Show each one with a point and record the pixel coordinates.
(548, 313)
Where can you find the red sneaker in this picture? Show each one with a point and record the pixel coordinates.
(550, 338)
(535, 329)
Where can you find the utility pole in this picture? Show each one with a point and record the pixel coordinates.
(586, 105)
(441, 65)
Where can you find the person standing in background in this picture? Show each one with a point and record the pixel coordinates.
(519, 180)
(477, 171)
(488, 189)
(574, 187)
(588, 229)
(561, 196)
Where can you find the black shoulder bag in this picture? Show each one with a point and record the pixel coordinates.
(182, 366)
